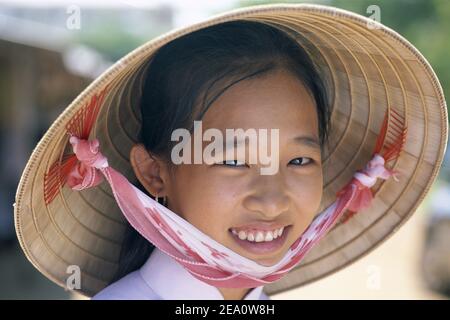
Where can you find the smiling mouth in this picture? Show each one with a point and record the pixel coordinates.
(255, 244)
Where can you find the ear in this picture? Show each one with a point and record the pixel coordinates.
(147, 169)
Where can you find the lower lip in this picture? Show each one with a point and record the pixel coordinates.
(263, 246)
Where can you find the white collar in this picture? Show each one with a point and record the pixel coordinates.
(168, 279)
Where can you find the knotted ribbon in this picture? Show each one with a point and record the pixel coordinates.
(202, 256)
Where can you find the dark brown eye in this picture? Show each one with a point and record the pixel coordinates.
(233, 163)
(301, 163)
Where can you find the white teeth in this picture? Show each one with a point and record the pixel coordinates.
(268, 237)
(280, 231)
(259, 236)
(242, 235)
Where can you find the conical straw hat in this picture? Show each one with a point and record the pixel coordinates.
(370, 70)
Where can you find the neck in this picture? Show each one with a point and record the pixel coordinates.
(233, 293)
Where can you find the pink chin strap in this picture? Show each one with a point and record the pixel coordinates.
(205, 258)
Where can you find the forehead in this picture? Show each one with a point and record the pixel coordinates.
(276, 100)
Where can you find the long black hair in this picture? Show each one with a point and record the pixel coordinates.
(186, 75)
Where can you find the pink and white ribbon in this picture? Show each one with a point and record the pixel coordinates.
(202, 256)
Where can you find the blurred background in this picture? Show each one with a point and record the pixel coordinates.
(51, 50)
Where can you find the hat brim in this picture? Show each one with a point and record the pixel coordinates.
(369, 69)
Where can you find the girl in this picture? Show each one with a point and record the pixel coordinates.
(254, 76)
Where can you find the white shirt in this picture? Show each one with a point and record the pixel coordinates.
(163, 278)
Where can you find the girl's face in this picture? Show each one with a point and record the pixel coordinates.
(219, 198)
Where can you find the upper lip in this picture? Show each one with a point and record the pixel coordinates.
(260, 226)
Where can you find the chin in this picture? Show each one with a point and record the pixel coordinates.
(269, 261)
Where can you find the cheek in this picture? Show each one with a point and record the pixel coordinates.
(307, 200)
(206, 202)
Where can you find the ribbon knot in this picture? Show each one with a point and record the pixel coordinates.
(86, 173)
(365, 179)
(373, 170)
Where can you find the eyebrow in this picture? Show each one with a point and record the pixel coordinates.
(306, 140)
(309, 141)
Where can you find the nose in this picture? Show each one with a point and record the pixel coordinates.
(270, 199)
